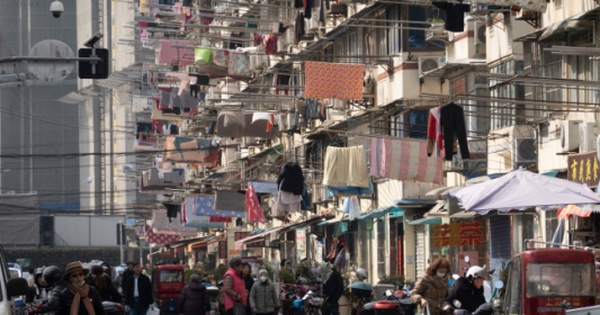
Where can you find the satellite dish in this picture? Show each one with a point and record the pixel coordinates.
(51, 71)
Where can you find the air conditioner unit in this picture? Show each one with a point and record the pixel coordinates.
(427, 64)
(524, 152)
(569, 137)
(480, 39)
(587, 137)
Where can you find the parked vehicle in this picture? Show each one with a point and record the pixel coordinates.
(13, 288)
(113, 308)
(542, 281)
(167, 283)
(484, 309)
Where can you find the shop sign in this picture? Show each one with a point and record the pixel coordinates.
(259, 243)
(458, 234)
(222, 249)
(583, 168)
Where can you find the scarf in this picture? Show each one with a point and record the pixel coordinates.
(81, 294)
(436, 281)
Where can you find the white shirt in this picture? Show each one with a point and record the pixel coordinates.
(136, 292)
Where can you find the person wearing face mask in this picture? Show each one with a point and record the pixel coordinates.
(468, 290)
(74, 296)
(431, 290)
(264, 298)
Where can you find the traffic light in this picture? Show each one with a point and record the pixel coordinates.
(86, 67)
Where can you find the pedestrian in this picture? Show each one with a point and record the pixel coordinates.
(138, 296)
(432, 289)
(73, 296)
(193, 298)
(333, 289)
(248, 282)
(264, 298)
(236, 297)
(127, 275)
(106, 289)
(41, 287)
(31, 279)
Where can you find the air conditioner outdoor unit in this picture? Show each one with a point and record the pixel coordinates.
(569, 138)
(480, 39)
(524, 152)
(427, 64)
(587, 137)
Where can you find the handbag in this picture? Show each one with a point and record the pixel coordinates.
(239, 309)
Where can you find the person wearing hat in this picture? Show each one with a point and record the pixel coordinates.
(102, 282)
(468, 290)
(74, 296)
(138, 296)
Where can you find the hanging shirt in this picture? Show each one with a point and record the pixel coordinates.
(455, 15)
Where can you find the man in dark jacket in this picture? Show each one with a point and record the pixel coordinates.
(71, 294)
(193, 299)
(333, 290)
(127, 275)
(248, 282)
(138, 296)
(468, 290)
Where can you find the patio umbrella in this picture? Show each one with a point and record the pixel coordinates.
(520, 190)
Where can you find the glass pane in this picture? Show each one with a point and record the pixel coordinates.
(555, 279)
(514, 294)
(171, 276)
(416, 38)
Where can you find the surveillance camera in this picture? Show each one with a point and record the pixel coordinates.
(57, 8)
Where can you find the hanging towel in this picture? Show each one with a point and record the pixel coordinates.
(334, 80)
(345, 167)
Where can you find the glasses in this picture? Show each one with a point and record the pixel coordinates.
(75, 275)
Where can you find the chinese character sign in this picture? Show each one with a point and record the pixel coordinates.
(583, 168)
(458, 234)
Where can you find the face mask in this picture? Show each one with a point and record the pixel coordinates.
(263, 279)
(440, 275)
(78, 284)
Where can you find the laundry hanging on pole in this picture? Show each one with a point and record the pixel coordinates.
(342, 81)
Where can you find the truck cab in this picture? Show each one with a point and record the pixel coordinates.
(9, 288)
(167, 282)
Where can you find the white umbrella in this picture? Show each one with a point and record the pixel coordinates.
(520, 190)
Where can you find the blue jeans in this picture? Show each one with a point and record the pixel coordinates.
(138, 309)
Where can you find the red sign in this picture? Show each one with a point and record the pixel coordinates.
(222, 249)
(458, 234)
(584, 168)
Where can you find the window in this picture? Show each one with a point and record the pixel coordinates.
(171, 276)
(394, 44)
(416, 37)
(412, 124)
(512, 302)
(555, 279)
(380, 246)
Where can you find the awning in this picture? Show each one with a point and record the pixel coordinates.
(426, 221)
(378, 213)
(189, 241)
(438, 210)
(464, 215)
(258, 236)
(415, 203)
(329, 222)
(440, 192)
(559, 30)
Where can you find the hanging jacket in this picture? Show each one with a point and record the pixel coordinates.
(291, 178)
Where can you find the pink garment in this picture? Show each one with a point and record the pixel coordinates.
(169, 54)
(255, 212)
(333, 80)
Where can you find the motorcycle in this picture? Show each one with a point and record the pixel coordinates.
(213, 296)
(483, 309)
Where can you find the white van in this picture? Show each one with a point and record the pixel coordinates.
(9, 288)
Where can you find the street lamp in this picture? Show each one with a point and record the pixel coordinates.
(122, 241)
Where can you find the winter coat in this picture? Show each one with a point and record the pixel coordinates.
(110, 292)
(61, 298)
(469, 296)
(234, 289)
(334, 287)
(193, 299)
(434, 290)
(145, 290)
(264, 297)
(291, 179)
